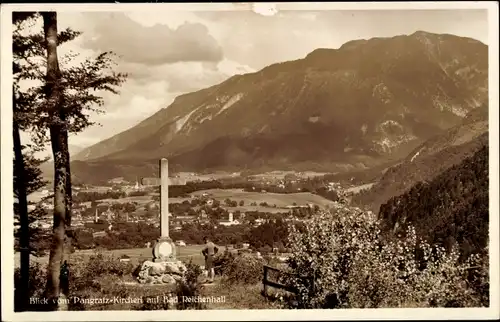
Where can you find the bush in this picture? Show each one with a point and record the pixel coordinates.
(353, 266)
(222, 260)
(97, 268)
(99, 264)
(137, 193)
(37, 281)
(87, 279)
(190, 287)
(243, 269)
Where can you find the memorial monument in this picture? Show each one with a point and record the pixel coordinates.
(164, 267)
(164, 249)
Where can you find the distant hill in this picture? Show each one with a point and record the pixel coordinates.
(453, 207)
(75, 149)
(365, 104)
(428, 160)
(48, 167)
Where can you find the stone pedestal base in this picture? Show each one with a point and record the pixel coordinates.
(164, 250)
(167, 272)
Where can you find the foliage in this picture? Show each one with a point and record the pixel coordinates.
(84, 196)
(352, 265)
(37, 280)
(190, 287)
(268, 234)
(80, 83)
(98, 265)
(137, 193)
(32, 173)
(222, 260)
(95, 277)
(243, 269)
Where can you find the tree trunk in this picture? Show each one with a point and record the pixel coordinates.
(59, 150)
(69, 202)
(22, 293)
(69, 193)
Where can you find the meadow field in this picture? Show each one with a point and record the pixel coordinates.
(357, 189)
(281, 200)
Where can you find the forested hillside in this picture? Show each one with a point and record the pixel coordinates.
(452, 207)
(423, 165)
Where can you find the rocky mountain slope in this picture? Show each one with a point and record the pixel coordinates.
(368, 102)
(429, 159)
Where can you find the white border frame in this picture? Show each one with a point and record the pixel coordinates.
(223, 315)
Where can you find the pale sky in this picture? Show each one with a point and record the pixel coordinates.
(167, 53)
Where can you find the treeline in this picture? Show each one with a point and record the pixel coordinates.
(314, 185)
(85, 196)
(183, 191)
(453, 207)
(123, 235)
(271, 234)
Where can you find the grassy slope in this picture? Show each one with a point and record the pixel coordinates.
(136, 254)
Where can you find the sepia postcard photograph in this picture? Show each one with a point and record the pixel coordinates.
(249, 161)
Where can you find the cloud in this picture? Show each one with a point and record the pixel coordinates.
(184, 77)
(151, 45)
(258, 41)
(148, 89)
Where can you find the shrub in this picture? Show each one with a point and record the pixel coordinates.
(353, 266)
(137, 193)
(190, 287)
(97, 268)
(243, 269)
(99, 264)
(37, 281)
(222, 261)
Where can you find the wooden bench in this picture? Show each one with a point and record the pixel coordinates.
(266, 282)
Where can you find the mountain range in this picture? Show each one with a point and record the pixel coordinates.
(365, 104)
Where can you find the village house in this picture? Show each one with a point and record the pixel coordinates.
(258, 222)
(138, 186)
(230, 221)
(99, 234)
(119, 180)
(184, 219)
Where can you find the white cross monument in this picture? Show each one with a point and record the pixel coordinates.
(164, 249)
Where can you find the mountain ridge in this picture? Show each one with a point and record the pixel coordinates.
(369, 100)
(450, 208)
(429, 159)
